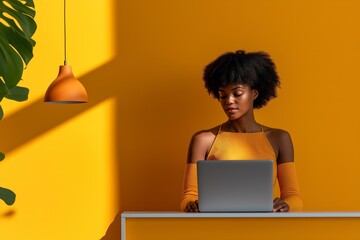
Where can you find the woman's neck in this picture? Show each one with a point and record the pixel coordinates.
(242, 125)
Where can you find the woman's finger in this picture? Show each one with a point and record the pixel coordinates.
(280, 205)
(194, 206)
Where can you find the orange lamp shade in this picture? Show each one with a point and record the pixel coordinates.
(66, 88)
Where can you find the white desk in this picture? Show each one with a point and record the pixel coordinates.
(323, 222)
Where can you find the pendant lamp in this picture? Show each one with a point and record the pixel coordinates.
(66, 89)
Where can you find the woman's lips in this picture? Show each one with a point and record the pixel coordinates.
(231, 110)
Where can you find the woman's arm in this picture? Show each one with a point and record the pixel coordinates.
(286, 173)
(199, 146)
(289, 186)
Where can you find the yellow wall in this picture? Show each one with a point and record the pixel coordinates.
(75, 167)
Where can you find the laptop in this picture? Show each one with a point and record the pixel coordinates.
(235, 185)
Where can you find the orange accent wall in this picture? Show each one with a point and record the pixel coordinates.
(75, 167)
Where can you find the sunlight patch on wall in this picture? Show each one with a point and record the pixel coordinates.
(65, 180)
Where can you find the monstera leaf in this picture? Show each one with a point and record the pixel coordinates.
(7, 196)
(17, 27)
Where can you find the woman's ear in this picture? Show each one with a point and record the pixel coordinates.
(255, 93)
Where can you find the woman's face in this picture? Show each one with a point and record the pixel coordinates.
(237, 100)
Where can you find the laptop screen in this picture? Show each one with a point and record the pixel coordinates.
(235, 185)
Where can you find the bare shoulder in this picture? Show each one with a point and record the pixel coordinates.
(282, 144)
(277, 134)
(200, 144)
(205, 135)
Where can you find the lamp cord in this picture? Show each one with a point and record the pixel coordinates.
(65, 60)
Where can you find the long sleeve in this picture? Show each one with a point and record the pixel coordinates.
(289, 186)
(190, 187)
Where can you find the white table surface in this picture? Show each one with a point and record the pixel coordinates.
(304, 214)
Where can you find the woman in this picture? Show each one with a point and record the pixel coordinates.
(241, 82)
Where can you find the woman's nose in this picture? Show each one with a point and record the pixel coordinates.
(229, 100)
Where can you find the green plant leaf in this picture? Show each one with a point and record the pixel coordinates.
(19, 94)
(11, 66)
(1, 115)
(30, 3)
(20, 43)
(7, 196)
(3, 90)
(17, 27)
(22, 13)
(2, 156)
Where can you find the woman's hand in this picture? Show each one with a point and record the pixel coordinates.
(192, 206)
(280, 205)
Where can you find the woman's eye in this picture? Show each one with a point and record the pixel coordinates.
(237, 94)
(222, 97)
